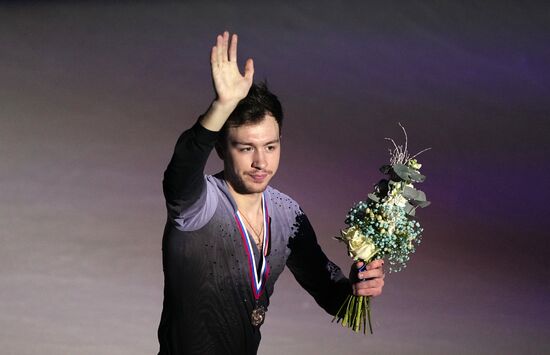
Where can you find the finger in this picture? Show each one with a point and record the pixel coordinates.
(375, 264)
(369, 288)
(219, 49)
(213, 59)
(359, 264)
(249, 69)
(373, 283)
(233, 49)
(369, 274)
(225, 45)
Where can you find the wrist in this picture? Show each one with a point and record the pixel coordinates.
(217, 114)
(226, 106)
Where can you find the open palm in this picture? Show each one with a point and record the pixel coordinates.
(230, 85)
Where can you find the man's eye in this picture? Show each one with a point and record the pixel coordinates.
(247, 149)
(271, 148)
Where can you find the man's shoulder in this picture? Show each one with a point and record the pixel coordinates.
(216, 181)
(280, 199)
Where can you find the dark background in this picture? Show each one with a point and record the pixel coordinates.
(93, 96)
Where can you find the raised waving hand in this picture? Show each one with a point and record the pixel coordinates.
(230, 85)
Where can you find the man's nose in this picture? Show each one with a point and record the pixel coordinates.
(259, 161)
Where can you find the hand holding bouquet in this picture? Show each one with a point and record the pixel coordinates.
(383, 227)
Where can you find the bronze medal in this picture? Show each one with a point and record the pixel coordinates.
(258, 316)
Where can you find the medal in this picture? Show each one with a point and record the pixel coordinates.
(258, 278)
(258, 316)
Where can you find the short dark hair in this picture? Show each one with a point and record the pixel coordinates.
(258, 103)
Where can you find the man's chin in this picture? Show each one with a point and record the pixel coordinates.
(255, 188)
(248, 185)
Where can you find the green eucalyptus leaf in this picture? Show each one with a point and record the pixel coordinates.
(407, 173)
(420, 196)
(421, 204)
(410, 193)
(417, 177)
(374, 198)
(402, 171)
(409, 209)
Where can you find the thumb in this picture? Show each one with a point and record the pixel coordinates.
(249, 69)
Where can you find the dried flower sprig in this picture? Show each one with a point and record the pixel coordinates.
(400, 154)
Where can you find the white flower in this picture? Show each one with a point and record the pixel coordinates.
(397, 200)
(360, 247)
(400, 201)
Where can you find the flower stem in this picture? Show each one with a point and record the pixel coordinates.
(368, 314)
(338, 317)
(358, 314)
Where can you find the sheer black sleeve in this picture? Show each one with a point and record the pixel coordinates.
(184, 177)
(319, 276)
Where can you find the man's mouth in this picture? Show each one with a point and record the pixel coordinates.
(258, 177)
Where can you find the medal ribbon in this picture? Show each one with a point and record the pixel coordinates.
(257, 281)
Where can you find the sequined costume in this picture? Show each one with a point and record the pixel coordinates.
(208, 299)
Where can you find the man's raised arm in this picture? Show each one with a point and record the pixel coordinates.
(184, 177)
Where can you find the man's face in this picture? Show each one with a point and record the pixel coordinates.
(252, 155)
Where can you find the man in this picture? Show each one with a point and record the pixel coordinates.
(229, 236)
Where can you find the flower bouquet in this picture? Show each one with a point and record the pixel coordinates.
(383, 227)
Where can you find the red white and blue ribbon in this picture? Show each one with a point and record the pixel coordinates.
(258, 277)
